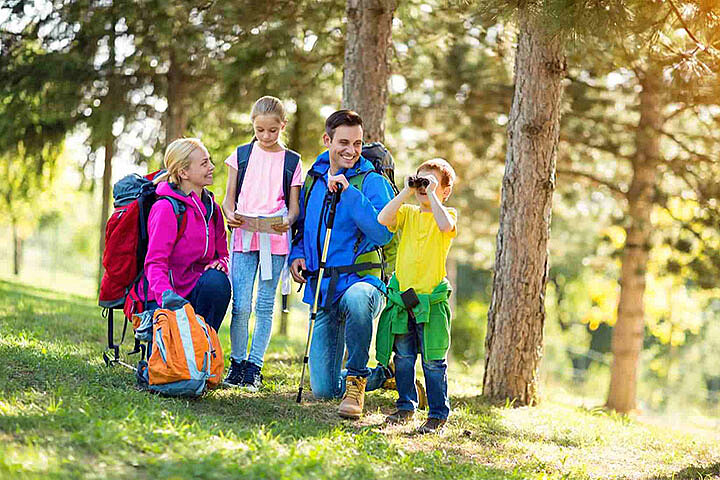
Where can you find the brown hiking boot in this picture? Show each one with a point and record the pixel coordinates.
(432, 425)
(399, 416)
(390, 383)
(422, 394)
(354, 399)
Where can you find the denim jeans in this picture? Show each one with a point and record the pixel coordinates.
(210, 297)
(244, 270)
(348, 323)
(406, 349)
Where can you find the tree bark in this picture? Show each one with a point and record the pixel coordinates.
(367, 63)
(17, 248)
(629, 330)
(105, 209)
(514, 341)
(177, 94)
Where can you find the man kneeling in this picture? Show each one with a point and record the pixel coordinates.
(350, 298)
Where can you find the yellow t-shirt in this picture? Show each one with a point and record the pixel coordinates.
(423, 249)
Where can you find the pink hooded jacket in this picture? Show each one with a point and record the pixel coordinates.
(177, 265)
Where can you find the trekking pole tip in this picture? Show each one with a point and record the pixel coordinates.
(299, 396)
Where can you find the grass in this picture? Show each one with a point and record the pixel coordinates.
(64, 414)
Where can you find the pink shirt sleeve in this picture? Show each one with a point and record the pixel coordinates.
(231, 160)
(297, 179)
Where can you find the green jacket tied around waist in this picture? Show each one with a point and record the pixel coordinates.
(433, 311)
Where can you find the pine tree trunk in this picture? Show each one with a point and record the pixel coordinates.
(17, 248)
(367, 63)
(629, 330)
(176, 97)
(514, 340)
(106, 194)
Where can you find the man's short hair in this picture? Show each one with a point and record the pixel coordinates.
(341, 117)
(443, 168)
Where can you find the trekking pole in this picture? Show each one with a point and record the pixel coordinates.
(323, 258)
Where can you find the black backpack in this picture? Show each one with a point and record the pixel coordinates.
(243, 156)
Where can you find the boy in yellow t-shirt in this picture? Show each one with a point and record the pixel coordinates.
(417, 316)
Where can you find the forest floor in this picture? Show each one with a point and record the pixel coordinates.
(64, 414)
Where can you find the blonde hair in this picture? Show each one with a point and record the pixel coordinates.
(177, 157)
(268, 105)
(441, 166)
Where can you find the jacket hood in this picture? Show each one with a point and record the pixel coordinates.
(322, 165)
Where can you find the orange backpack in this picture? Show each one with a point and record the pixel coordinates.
(186, 357)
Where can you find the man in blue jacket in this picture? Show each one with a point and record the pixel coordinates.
(349, 298)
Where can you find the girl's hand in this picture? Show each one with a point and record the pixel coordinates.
(281, 227)
(235, 221)
(217, 265)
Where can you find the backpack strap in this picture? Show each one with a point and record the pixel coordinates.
(292, 159)
(179, 211)
(243, 157)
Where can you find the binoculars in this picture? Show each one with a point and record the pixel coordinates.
(417, 182)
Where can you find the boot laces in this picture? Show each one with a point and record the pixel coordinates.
(352, 390)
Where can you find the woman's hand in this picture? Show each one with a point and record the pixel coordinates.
(217, 265)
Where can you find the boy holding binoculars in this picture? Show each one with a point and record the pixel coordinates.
(417, 316)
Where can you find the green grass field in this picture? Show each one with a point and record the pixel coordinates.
(64, 414)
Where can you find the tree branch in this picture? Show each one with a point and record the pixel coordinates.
(594, 179)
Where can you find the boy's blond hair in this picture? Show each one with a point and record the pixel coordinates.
(442, 167)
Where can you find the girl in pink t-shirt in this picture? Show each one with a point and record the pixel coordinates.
(261, 194)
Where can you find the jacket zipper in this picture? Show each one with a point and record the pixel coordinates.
(207, 227)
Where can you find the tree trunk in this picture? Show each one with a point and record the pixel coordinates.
(367, 64)
(105, 209)
(514, 340)
(629, 330)
(17, 248)
(177, 94)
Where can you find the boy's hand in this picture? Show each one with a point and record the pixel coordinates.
(433, 182)
(334, 180)
(407, 183)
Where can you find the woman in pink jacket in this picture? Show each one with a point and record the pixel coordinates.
(194, 263)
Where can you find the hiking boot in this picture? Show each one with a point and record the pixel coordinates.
(252, 380)
(390, 383)
(399, 417)
(354, 399)
(432, 425)
(235, 373)
(422, 394)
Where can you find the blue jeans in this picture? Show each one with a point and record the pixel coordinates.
(406, 349)
(244, 270)
(348, 323)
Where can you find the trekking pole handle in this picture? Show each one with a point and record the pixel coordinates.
(333, 205)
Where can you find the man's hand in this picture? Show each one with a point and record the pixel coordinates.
(217, 265)
(334, 180)
(281, 227)
(296, 268)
